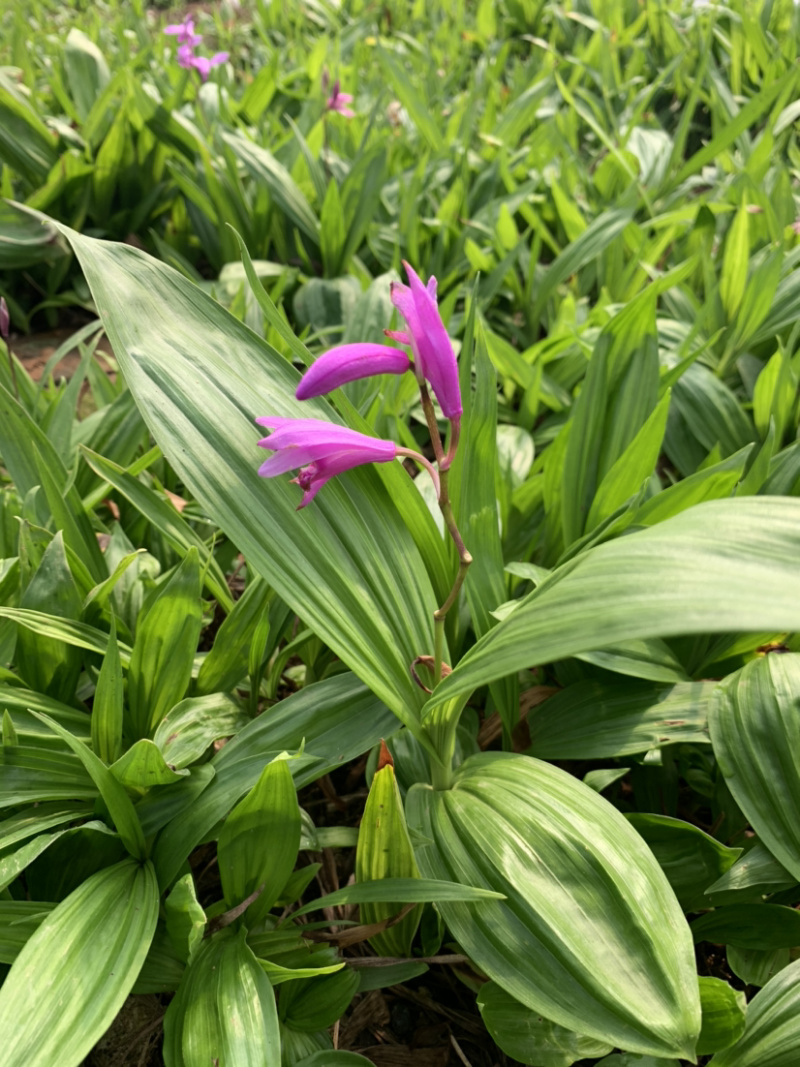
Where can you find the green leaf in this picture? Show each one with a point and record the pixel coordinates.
(757, 966)
(594, 240)
(164, 650)
(333, 1058)
(384, 851)
(347, 565)
(227, 662)
(334, 721)
(733, 277)
(399, 890)
(756, 871)
(186, 732)
(527, 1037)
(143, 766)
(12, 864)
(754, 731)
(724, 1011)
(86, 953)
(283, 189)
(746, 926)
(722, 566)
(595, 720)
(312, 1004)
(259, 842)
(477, 514)
(162, 514)
(46, 663)
(412, 101)
(224, 1010)
(772, 1030)
(565, 859)
(186, 920)
(690, 858)
(19, 920)
(113, 793)
(107, 703)
(632, 468)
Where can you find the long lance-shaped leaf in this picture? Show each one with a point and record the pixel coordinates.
(755, 732)
(73, 975)
(772, 1028)
(347, 564)
(590, 935)
(723, 566)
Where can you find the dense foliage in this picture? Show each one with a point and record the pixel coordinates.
(594, 815)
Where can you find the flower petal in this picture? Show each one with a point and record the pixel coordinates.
(348, 363)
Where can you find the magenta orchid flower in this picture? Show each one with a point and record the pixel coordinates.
(203, 64)
(5, 319)
(338, 102)
(184, 31)
(428, 339)
(320, 449)
(348, 363)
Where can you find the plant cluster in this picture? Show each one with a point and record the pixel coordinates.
(545, 586)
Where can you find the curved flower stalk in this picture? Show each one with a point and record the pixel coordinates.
(322, 450)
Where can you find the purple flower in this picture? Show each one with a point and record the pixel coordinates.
(203, 65)
(321, 449)
(338, 102)
(5, 320)
(433, 352)
(347, 363)
(184, 31)
(186, 56)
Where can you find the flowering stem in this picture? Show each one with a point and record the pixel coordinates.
(433, 426)
(464, 560)
(429, 467)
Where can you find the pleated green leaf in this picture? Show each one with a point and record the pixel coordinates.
(691, 859)
(772, 1030)
(590, 935)
(164, 650)
(334, 720)
(385, 851)
(529, 1038)
(723, 566)
(724, 1011)
(224, 1012)
(113, 792)
(404, 890)
(259, 841)
(755, 732)
(346, 564)
(73, 975)
(594, 720)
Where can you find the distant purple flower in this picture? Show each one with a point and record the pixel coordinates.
(184, 31)
(5, 320)
(433, 351)
(348, 363)
(338, 102)
(203, 65)
(321, 449)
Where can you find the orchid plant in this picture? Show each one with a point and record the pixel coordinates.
(323, 449)
(188, 40)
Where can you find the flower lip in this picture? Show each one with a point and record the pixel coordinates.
(321, 449)
(349, 363)
(430, 343)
